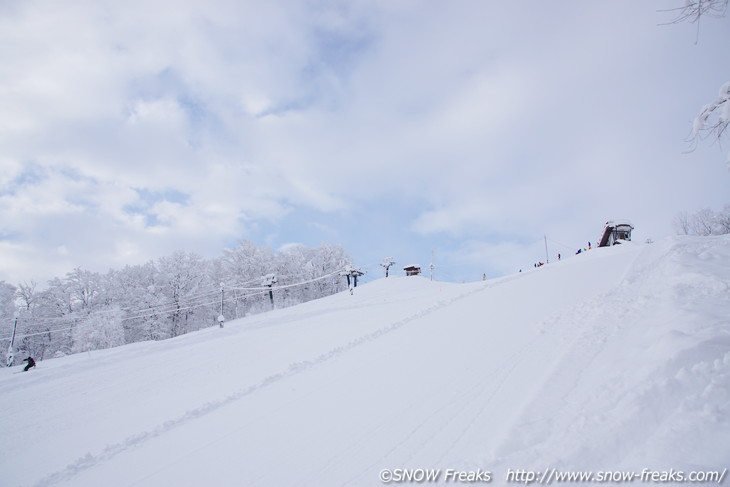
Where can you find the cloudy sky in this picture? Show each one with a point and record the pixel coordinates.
(472, 129)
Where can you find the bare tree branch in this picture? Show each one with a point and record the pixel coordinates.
(694, 10)
(713, 119)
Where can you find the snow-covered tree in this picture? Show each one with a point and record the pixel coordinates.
(703, 222)
(180, 277)
(7, 315)
(243, 266)
(26, 295)
(712, 120)
(301, 264)
(101, 329)
(246, 262)
(56, 299)
(84, 286)
(135, 291)
(722, 221)
(291, 268)
(45, 326)
(327, 259)
(166, 298)
(32, 322)
(7, 299)
(681, 223)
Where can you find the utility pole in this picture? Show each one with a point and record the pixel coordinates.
(547, 256)
(11, 357)
(221, 319)
(432, 266)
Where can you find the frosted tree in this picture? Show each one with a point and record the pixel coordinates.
(7, 311)
(56, 299)
(722, 221)
(135, 290)
(290, 268)
(31, 322)
(246, 262)
(26, 295)
(682, 223)
(166, 298)
(48, 316)
(7, 300)
(49, 323)
(307, 265)
(243, 266)
(712, 120)
(180, 277)
(101, 329)
(327, 259)
(703, 222)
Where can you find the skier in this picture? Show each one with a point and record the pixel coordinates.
(31, 363)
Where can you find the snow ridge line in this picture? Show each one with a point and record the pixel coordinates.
(90, 460)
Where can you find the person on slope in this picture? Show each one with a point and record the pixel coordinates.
(31, 363)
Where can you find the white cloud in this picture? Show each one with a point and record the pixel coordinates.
(480, 121)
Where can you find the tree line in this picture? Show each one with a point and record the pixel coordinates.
(161, 299)
(703, 222)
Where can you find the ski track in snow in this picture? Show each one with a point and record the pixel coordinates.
(463, 410)
(459, 406)
(90, 460)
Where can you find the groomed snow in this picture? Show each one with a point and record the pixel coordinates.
(615, 359)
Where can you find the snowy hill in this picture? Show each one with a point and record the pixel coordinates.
(616, 360)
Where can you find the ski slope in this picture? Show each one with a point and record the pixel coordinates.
(617, 359)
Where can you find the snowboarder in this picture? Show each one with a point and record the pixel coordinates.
(31, 363)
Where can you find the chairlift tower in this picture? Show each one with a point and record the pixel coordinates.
(268, 281)
(387, 263)
(351, 273)
(221, 319)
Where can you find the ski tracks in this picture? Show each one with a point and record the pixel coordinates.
(585, 392)
(462, 411)
(91, 460)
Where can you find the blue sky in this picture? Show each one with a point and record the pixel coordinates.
(471, 129)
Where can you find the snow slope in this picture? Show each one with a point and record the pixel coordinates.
(617, 359)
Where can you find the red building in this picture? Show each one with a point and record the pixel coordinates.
(412, 270)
